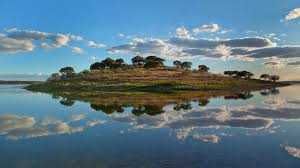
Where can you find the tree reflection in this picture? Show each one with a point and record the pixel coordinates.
(67, 102)
(183, 106)
(272, 91)
(203, 102)
(151, 110)
(108, 109)
(242, 95)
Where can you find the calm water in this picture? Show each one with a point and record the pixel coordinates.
(261, 129)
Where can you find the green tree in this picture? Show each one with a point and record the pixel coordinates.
(97, 66)
(119, 63)
(177, 64)
(138, 61)
(108, 62)
(54, 77)
(203, 68)
(265, 76)
(274, 78)
(153, 62)
(67, 72)
(186, 65)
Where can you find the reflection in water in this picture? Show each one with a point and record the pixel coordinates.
(108, 109)
(293, 151)
(185, 117)
(67, 102)
(197, 118)
(272, 91)
(19, 127)
(243, 95)
(207, 138)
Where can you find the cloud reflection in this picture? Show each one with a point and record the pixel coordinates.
(17, 127)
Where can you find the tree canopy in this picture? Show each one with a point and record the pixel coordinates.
(203, 68)
(186, 65)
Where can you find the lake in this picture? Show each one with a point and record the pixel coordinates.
(259, 129)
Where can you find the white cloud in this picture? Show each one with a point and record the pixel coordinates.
(11, 45)
(52, 39)
(223, 51)
(294, 14)
(17, 40)
(187, 48)
(93, 44)
(77, 50)
(182, 32)
(60, 40)
(121, 35)
(207, 28)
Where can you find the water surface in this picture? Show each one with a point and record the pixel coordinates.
(259, 129)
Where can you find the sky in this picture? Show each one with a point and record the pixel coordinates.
(39, 37)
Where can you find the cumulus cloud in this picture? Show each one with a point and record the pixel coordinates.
(279, 52)
(77, 50)
(54, 40)
(292, 15)
(93, 44)
(176, 48)
(11, 45)
(207, 28)
(148, 47)
(22, 40)
(182, 32)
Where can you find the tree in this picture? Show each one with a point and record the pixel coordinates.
(229, 73)
(234, 74)
(203, 68)
(108, 62)
(153, 62)
(154, 59)
(177, 64)
(186, 65)
(67, 72)
(97, 66)
(54, 77)
(118, 63)
(138, 61)
(274, 78)
(84, 73)
(245, 74)
(265, 76)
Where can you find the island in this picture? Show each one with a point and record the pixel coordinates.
(147, 85)
(151, 75)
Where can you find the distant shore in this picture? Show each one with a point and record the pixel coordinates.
(12, 82)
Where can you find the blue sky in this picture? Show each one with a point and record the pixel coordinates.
(148, 26)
